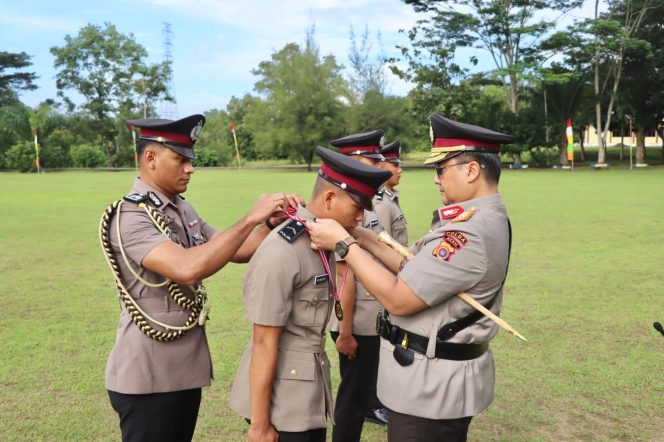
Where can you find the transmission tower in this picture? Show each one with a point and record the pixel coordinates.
(168, 109)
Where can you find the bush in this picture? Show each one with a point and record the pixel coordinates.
(85, 155)
(207, 157)
(543, 156)
(21, 156)
(53, 157)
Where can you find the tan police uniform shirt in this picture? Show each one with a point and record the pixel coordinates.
(286, 286)
(138, 364)
(471, 257)
(366, 306)
(390, 215)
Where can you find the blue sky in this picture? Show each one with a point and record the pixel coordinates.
(216, 43)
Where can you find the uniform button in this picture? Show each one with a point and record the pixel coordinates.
(322, 363)
(368, 294)
(315, 299)
(293, 372)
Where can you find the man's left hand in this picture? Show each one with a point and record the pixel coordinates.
(294, 200)
(325, 233)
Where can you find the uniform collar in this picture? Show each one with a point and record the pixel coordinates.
(303, 213)
(143, 188)
(447, 213)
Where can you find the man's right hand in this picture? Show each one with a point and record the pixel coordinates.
(347, 345)
(262, 433)
(266, 206)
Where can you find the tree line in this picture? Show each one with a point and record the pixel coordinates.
(605, 71)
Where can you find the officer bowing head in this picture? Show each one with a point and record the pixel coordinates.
(165, 149)
(345, 187)
(466, 158)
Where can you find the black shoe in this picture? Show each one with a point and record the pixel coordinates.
(377, 416)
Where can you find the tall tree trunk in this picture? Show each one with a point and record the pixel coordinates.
(562, 146)
(310, 159)
(601, 149)
(640, 145)
(582, 135)
(661, 136)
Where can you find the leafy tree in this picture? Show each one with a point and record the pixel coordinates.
(14, 127)
(643, 87)
(300, 104)
(510, 31)
(11, 84)
(367, 72)
(108, 69)
(21, 157)
(598, 45)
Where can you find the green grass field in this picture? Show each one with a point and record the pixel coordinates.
(585, 286)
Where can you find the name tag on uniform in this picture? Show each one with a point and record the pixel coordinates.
(319, 279)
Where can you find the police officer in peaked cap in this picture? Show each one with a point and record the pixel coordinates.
(355, 336)
(282, 386)
(436, 370)
(159, 250)
(386, 202)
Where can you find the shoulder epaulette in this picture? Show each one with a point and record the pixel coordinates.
(135, 198)
(291, 231)
(379, 195)
(465, 216)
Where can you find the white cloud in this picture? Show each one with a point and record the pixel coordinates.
(42, 23)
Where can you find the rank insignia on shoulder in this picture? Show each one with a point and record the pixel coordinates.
(291, 231)
(465, 216)
(156, 201)
(373, 223)
(388, 193)
(379, 196)
(135, 198)
(450, 212)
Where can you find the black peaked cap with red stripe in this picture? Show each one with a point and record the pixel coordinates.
(367, 144)
(450, 138)
(178, 135)
(360, 180)
(392, 152)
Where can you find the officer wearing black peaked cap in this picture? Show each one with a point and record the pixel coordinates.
(355, 336)
(159, 250)
(386, 202)
(436, 370)
(282, 385)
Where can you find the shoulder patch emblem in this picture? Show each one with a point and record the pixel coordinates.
(135, 198)
(156, 201)
(465, 216)
(450, 212)
(451, 243)
(291, 231)
(379, 196)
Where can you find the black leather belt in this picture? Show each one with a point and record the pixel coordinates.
(403, 340)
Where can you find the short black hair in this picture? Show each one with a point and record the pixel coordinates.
(142, 144)
(489, 162)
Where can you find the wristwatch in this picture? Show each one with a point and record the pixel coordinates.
(341, 248)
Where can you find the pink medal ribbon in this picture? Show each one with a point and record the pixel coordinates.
(332, 285)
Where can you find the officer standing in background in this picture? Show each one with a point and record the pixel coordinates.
(386, 202)
(436, 371)
(282, 386)
(159, 250)
(355, 336)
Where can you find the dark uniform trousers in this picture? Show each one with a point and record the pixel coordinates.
(317, 435)
(357, 388)
(163, 417)
(406, 428)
